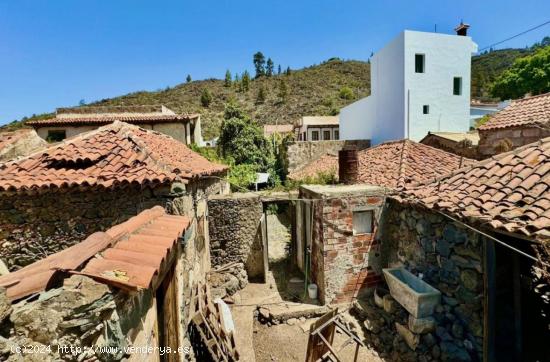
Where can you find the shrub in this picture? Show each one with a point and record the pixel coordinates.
(346, 93)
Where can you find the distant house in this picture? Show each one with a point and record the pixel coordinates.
(522, 122)
(317, 128)
(281, 129)
(420, 82)
(19, 143)
(68, 122)
(462, 144)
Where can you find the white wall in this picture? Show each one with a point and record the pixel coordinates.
(394, 110)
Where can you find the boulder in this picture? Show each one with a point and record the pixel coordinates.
(5, 305)
(390, 304)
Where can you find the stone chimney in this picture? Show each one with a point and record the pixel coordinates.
(348, 166)
(462, 29)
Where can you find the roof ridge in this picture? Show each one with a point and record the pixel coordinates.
(401, 172)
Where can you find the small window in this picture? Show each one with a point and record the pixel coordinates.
(363, 222)
(315, 135)
(56, 135)
(300, 137)
(336, 135)
(326, 135)
(426, 109)
(419, 63)
(457, 86)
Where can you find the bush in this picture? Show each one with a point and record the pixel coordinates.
(241, 177)
(206, 98)
(346, 93)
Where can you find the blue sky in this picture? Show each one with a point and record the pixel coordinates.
(54, 53)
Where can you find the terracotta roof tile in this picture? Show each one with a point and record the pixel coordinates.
(398, 163)
(124, 256)
(522, 112)
(109, 156)
(102, 119)
(508, 197)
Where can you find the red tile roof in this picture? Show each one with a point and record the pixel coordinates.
(398, 163)
(131, 255)
(532, 111)
(116, 154)
(327, 164)
(510, 191)
(101, 119)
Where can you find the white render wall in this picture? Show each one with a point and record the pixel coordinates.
(394, 110)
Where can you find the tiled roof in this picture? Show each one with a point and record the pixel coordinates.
(130, 255)
(278, 128)
(8, 138)
(327, 163)
(398, 163)
(101, 119)
(523, 112)
(510, 191)
(116, 154)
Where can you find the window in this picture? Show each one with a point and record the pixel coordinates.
(457, 86)
(426, 109)
(56, 135)
(363, 222)
(419, 63)
(300, 137)
(336, 135)
(315, 135)
(326, 135)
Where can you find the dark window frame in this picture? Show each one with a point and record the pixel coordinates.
(457, 86)
(420, 63)
(315, 135)
(426, 109)
(56, 135)
(325, 132)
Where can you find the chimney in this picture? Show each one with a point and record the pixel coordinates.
(348, 166)
(462, 29)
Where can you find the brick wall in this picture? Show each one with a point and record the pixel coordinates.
(344, 264)
(519, 136)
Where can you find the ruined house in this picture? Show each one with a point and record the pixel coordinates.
(460, 143)
(118, 294)
(69, 122)
(19, 143)
(478, 235)
(522, 122)
(53, 199)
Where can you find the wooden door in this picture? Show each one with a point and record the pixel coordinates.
(168, 316)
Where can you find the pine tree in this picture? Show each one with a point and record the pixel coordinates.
(260, 98)
(227, 82)
(287, 71)
(283, 91)
(259, 64)
(279, 69)
(206, 98)
(245, 81)
(188, 79)
(269, 68)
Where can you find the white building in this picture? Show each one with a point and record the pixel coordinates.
(420, 82)
(317, 128)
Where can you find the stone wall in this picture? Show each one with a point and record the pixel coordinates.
(449, 257)
(300, 153)
(518, 136)
(343, 264)
(235, 234)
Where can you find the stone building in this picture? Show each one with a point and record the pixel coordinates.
(461, 144)
(479, 235)
(117, 295)
(335, 244)
(53, 199)
(19, 143)
(522, 122)
(69, 122)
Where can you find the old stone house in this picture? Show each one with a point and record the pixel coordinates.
(522, 122)
(19, 143)
(117, 295)
(69, 122)
(52, 199)
(462, 144)
(480, 236)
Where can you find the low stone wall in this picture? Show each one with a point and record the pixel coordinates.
(235, 234)
(518, 136)
(300, 153)
(449, 257)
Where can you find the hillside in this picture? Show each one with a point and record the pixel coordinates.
(314, 90)
(488, 66)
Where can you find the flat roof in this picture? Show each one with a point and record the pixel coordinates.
(345, 190)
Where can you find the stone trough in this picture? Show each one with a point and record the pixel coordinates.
(415, 295)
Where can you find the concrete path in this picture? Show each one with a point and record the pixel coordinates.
(243, 317)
